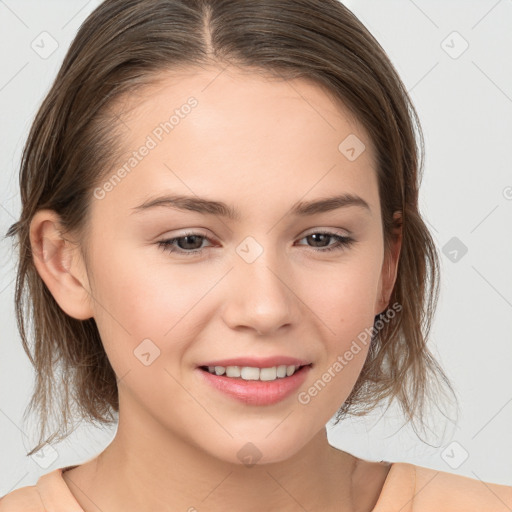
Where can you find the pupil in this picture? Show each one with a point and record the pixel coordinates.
(317, 235)
(185, 239)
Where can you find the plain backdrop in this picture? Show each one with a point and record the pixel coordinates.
(454, 58)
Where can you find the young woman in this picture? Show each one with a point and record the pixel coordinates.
(222, 248)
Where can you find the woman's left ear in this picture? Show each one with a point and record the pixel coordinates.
(390, 266)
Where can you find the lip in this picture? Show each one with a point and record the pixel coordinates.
(253, 392)
(258, 362)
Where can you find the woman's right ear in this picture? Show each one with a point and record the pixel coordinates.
(60, 265)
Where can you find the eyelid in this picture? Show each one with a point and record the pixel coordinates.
(166, 235)
(335, 231)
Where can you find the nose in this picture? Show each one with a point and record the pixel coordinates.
(260, 298)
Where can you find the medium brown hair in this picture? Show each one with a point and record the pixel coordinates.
(73, 143)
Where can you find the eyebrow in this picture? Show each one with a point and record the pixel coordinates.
(218, 208)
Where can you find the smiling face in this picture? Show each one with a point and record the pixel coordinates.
(264, 284)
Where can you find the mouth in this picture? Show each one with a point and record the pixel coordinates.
(254, 373)
(254, 385)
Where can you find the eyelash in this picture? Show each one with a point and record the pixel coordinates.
(342, 242)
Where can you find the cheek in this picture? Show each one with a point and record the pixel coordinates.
(141, 291)
(345, 309)
(344, 294)
(143, 297)
(344, 301)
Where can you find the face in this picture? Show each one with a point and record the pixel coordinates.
(177, 289)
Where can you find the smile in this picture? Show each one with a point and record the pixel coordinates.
(252, 385)
(254, 373)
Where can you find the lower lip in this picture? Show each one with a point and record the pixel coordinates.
(256, 392)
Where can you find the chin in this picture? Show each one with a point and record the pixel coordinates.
(257, 449)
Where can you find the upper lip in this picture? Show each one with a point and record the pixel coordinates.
(258, 362)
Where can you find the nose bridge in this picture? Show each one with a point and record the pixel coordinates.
(260, 298)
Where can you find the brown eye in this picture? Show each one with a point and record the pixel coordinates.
(321, 237)
(189, 244)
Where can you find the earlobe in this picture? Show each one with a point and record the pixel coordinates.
(60, 265)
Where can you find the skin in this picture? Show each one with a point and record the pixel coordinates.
(261, 146)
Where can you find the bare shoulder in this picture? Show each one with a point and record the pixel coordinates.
(24, 499)
(440, 490)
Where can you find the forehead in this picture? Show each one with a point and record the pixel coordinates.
(233, 134)
(231, 93)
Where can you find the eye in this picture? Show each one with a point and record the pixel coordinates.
(341, 242)
(192, 241)
(189, 244)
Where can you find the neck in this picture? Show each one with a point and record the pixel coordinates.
(142, 472)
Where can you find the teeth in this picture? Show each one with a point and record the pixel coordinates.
(252, 373)
(281, 371)
(232, 371)
(290, 370)
(268, 373)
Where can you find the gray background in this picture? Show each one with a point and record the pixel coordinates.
(464, 99)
